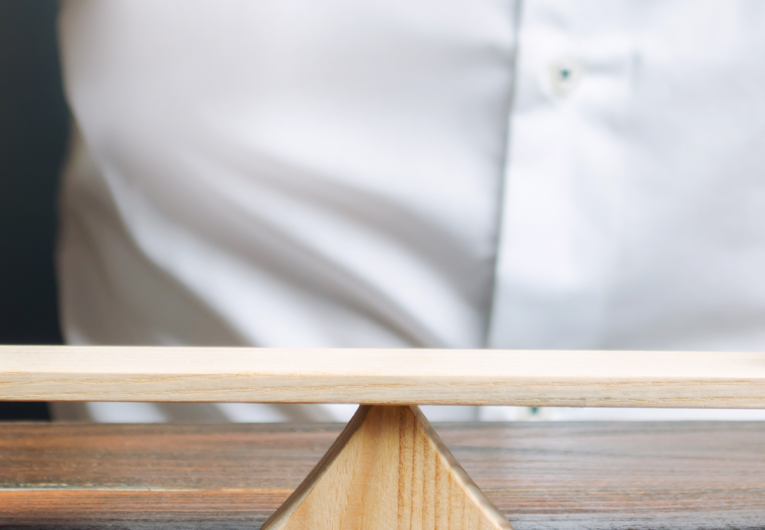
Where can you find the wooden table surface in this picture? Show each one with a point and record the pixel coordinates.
(628, 475)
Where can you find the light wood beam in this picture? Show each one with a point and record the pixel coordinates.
(394, 376)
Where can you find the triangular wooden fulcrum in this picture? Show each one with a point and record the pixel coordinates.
(388, 470)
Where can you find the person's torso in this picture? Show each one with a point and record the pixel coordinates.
(477, 173)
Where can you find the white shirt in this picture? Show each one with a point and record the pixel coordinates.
(388, 173)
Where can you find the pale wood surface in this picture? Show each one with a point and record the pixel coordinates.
(467, 377)
(388, 469)
(542, 476)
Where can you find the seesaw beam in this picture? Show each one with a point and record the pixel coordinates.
(392, 377)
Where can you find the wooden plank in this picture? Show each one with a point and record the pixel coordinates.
(460, 377)
(542, 476)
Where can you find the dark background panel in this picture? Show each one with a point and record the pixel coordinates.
(34, 126)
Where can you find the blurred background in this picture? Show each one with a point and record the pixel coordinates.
(33, 136)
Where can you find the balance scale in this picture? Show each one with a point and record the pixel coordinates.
(388, 469)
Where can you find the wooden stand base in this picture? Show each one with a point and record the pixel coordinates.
(388, 470)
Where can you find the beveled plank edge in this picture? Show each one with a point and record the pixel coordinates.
(388, 391)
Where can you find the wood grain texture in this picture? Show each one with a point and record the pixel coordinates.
(388, 469)
(598, 476)
(396, 377)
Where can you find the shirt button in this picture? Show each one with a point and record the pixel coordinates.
(565, 75)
